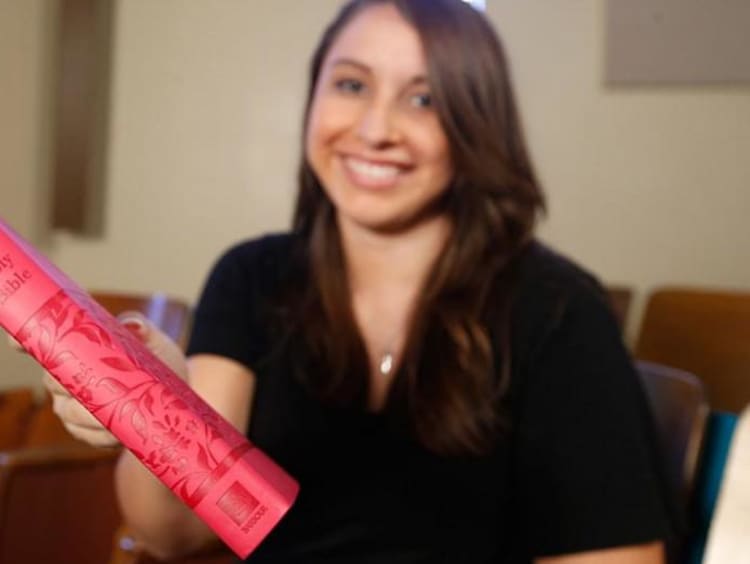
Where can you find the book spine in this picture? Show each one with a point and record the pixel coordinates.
(229, 483)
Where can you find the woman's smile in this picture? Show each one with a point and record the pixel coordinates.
(371, 174)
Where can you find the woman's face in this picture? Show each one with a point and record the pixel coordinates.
(373, 136)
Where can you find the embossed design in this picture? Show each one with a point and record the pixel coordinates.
(153, 412)
(193, 450)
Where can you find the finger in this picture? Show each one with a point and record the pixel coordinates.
(80, 423)
(72, 412)
(94, 437)
(136, 323)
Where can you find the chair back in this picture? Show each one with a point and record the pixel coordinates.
(680, 410)
(703, 332)
(57, 504)
(16, 408)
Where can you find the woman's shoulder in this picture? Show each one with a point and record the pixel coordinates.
(267, 256)
(256, 267)
(544, 269)
(550, 288)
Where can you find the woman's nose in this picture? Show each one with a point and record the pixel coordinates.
(376, 126)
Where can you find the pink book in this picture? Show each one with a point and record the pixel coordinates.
(228, 482)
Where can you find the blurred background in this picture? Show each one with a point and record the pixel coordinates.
(193, 139)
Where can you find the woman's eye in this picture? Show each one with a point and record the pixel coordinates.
(349, 86)
(421, 101)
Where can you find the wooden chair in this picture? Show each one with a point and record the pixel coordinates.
(680, 410)
(620, 298)
(57, 504)
(706, 333)
(16, 408)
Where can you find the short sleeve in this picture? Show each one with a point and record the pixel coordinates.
(586, 466)
(227, 317)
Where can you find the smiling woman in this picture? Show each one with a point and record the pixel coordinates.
(444, 387)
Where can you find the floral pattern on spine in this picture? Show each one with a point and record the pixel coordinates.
(150, 409)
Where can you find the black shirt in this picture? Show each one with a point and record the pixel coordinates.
(576, 471)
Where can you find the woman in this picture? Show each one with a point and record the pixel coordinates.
(444, 388)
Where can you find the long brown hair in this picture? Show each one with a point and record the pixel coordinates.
(448, 387)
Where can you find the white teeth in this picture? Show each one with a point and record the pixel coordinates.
(374, 171)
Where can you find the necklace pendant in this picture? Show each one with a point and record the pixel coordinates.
(386, 364)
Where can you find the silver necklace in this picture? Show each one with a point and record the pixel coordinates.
(386, 364)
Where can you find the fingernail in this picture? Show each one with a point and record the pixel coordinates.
(134, 325)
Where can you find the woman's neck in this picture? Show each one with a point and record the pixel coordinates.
(386, 273)
(383, 262)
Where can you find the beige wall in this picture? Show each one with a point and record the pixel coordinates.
(25, 71)
(205, 129)
(25, 74)
(647, 186)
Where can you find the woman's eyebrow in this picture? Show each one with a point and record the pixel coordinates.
(345, 61)
(417, 80)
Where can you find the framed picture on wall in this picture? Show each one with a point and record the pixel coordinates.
(677, 42)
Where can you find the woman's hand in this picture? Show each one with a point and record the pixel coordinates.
(81, 423)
